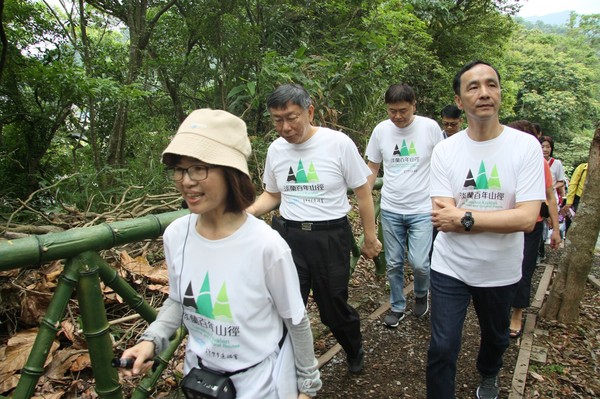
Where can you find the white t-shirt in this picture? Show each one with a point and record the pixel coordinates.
(235, 291)
(313, 177)
(485, 176)
(406, 155)
(557, 170)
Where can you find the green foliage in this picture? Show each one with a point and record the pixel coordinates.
(35, 107)
(348, 67)
(558, 84)
(462, 32)
(586, 27)
(558, 78)
(575, 151)
(467, 30)
(231, 54)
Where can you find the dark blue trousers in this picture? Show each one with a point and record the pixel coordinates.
(450, 299)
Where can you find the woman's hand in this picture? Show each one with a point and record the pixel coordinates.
(565, 210)
(143, 354)
(303, 396)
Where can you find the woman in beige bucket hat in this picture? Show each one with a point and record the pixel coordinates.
(232, 280)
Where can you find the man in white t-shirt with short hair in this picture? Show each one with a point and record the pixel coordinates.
(451, 120)
(487, 185)
(307, 174)
(403, 143)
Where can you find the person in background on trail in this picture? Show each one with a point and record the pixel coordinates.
(228, 271)
(487, 185)
(576, 187)
(532, 242)
(452, 121)
(558, 180)
(556, 167)
(403, 143)
(307, 173)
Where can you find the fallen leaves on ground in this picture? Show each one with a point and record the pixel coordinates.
(67, 369)
(572, 366)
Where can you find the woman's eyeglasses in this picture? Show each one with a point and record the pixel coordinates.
(195, 172)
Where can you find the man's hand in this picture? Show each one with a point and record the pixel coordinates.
(371, 248)
(446, 217)
(555, 238)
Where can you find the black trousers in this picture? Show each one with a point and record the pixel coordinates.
(530, 253)
(322, 260)
(568, 221)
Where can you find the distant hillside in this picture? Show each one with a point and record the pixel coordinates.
(557, 18)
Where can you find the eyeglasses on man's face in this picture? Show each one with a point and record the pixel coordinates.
(194, 172)
(450, 124)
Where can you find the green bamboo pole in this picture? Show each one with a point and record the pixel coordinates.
(147, 385)
(378, 184)
(137, 303)
(380, 262)
(120, 286)
(35, 250)
(86, 269)
(355, 254)
(49, 326)
(96, 328)
(356, 244)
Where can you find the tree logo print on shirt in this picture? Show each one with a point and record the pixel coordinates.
(304, 186)
(301, 175)
(405, 158)
(405, 151)
(482, 192)
(203, 302)
(483, 182)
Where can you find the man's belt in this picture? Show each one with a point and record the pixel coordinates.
(316, 226)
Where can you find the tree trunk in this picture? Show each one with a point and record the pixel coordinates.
(116, 142)
(569, 284)
(3, 40)
(89, 70)
(135, 14)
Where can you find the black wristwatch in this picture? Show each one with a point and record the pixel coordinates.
(467, 221)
